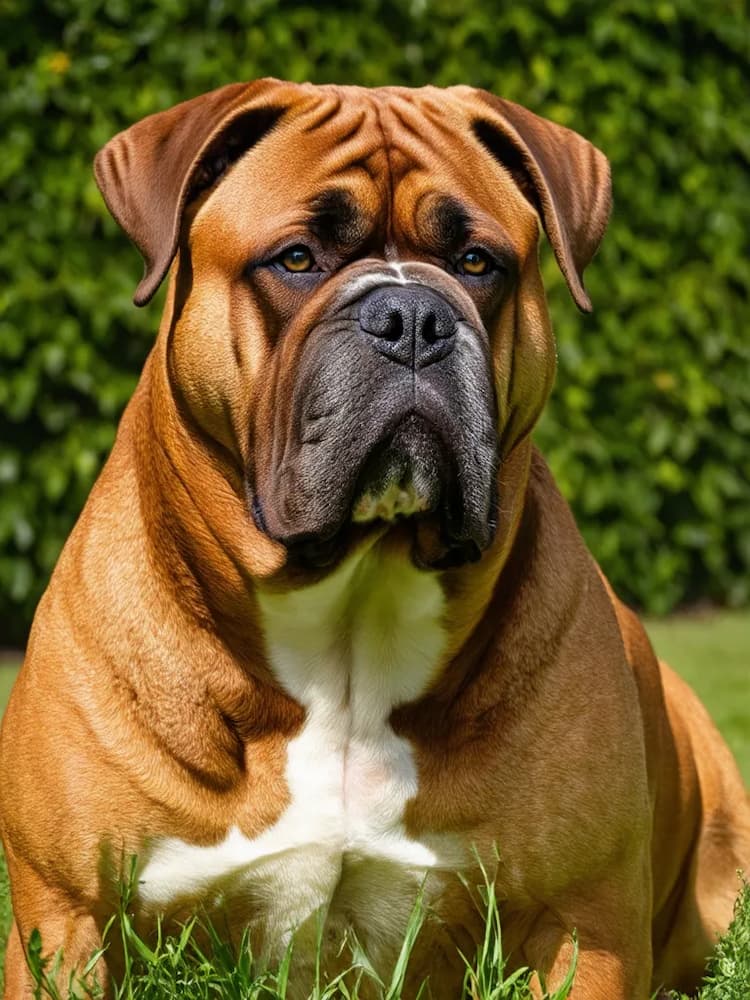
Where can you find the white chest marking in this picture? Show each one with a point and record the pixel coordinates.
(348, 649)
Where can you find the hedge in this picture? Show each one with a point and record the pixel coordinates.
(648, 427)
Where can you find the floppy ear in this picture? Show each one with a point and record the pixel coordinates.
(565, 178)
(148, 173)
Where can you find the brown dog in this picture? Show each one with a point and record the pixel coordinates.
(325, 627)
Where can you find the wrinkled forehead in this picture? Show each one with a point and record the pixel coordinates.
(393, 166)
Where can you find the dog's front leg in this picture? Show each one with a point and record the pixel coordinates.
(64, 929)
(79, 941)
(612, 927)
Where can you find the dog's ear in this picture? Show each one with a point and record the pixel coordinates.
(148, 173)
(566, 179)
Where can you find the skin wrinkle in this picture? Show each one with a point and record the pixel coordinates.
(183, 288)
(205, 521)
(282, 440)
(421, 139)
(362, 164)
(354, 130)
(389, 249)
(109, 743)
(202, 591)
(330, 111)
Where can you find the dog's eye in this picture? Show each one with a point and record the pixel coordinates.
(475, 263)
(297, 259)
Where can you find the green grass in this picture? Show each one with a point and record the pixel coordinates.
(712, 652)
(8, 671)
(180, 966)
(728, 974)
(6, 915)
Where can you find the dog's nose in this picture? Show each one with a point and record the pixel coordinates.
(410, 324)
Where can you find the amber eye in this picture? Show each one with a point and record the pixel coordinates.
(474, 262)
(297, 259)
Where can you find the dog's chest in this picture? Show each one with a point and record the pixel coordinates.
(348, 649)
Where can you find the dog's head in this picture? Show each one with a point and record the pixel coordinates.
(357, 313)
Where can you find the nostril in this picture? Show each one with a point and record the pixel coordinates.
(395, 328)
(429, 329)
(411, 325)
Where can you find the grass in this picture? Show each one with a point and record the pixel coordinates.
(728, 973)
(178, 966)
(710, 650)
(6, 915)
(8, 671)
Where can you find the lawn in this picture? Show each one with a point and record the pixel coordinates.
(712, 652)
(8, 669)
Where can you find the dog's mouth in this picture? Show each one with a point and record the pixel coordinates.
(409, 481)
(404, 475)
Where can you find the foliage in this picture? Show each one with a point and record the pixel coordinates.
(728, 974)
(647, 429)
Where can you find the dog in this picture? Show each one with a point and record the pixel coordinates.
(326, 631)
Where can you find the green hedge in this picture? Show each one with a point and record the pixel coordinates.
(648, 427)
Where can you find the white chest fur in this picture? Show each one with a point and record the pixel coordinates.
(348, 649)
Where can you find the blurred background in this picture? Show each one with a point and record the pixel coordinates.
(648, 429)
